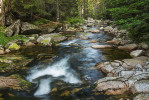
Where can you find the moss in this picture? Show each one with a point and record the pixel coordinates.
(3, 66)
(23, 83)
(45, 41)
(66, 93)
(4, 40)
(40, 21)
(14, 46)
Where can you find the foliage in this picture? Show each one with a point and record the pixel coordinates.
(4, 40)
(40, 21)
(74, 20)
(131, 15)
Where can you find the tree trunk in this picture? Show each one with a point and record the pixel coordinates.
(3, 19)
(84, 8)
(58, 11)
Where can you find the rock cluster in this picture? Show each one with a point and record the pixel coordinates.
(125, 76)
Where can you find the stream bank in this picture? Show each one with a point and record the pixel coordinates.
(55, 66)
(126, 76)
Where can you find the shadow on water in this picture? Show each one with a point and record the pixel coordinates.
(67, 72)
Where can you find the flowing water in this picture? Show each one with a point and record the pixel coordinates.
(70, 73)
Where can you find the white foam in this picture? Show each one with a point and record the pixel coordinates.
(69, 42)
(44, 87)
(60, 68)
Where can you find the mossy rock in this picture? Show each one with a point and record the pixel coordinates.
(47, 41)
(14, 46)
(24, 85)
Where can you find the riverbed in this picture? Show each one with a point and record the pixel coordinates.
(67, 71)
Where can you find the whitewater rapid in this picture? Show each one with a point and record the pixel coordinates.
(60, 70)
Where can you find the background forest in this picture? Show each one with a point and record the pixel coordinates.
(128, 14)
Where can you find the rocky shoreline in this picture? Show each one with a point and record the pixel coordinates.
(127, 76)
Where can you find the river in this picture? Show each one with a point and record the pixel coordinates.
(70, 73)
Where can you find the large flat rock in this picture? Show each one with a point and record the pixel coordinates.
(111, 86)
(140, 87)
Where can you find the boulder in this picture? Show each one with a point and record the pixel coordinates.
(142, 96)
(144, 45)
(100, 65)
(47, 30)
(101, 46)
(28, 28)
(112, 42)
(83, 37)
(101, 28)
(112, 87)
(136, 77)
(29, 44)
(54, 37)
(13, 29)
(32, 38)
(140, 87)
(45, 40)
(89, 24)
(131, 63)
(14, 46)
(108, 29)
(9, 20)
(7, 51)
(126, 74)
(128, 47)
(95, 31)
(93, 41)
(107, 69)
(2, 52)
(147, 52)
(136, 53)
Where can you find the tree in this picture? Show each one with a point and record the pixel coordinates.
(3, 18)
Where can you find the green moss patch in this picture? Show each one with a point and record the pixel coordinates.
(4, 40)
